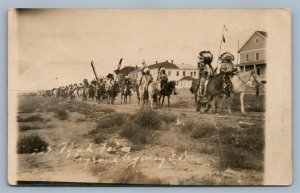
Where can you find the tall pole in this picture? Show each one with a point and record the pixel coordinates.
(238, 52)
(220, 47)
(92, 64)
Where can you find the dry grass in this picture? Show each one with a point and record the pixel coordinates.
(238, 148)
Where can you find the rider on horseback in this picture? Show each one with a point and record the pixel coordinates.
(227, 68)
(127, 83)
(147, 77)
(205, 71)
(162, 78)
(110, 81)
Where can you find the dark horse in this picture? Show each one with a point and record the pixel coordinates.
(168, 89)
(100, 93)
(194, 88)
(112, 93)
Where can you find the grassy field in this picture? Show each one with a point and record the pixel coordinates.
(68, 140)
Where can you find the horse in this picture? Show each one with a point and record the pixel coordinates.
(194, 88)
(150, 94)
(111, 92)
(239, 81)
(168, 89)
(125, 92)
(91, 91)
(100, 93)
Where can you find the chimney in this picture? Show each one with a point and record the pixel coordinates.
(156, 62)
(167, 61)
(172, 61)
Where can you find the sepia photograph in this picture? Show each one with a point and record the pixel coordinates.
(149, 96)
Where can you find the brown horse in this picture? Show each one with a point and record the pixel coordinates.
(168, 89)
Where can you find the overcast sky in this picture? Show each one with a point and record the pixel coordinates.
(55, 47)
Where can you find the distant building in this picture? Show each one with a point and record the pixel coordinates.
(253, 55)
(185, 82)
(175, 72)
(126, 70)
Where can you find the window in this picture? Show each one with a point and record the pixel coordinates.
(194, 73)
(177, 73)
(257, 56)
(183, 73)
(257, 40)
(191, 73)
(169, 73)
(247, 57)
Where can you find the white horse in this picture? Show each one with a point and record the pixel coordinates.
(240, 82)
(153, 89)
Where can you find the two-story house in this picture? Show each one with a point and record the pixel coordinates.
(253, 54)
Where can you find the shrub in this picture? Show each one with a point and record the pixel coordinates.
(147, 119)
(30, 118)
(31, 144)
(115, 119)
(136, 134)
(29, 127)
(62, 114)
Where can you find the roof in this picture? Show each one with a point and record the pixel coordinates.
(251, 63)
(186, 78)
(262, 33)
(186, 66)
(165, 64)
(126, 70)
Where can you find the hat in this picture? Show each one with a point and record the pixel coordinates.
(163, 69)
(226, 56)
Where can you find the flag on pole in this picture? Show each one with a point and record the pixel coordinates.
(223, 37)
(225, 28)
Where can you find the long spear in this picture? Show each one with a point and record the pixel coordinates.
(222, 40)
(92, 64)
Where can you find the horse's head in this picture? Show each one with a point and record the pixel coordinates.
(255, 80)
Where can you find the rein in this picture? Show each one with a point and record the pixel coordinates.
(245, 82)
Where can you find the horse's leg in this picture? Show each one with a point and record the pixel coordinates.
(163, 100)
(242, 103)
(168, 101)
(230, 103)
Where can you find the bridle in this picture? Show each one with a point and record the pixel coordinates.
(245, 82)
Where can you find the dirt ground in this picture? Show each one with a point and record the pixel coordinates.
(176, 155)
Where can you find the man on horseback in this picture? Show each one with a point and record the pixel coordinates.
(205, 71)
(146, 79)
(162, 78)
(111, 80)
(227, 68)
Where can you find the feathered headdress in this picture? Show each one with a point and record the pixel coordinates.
(226, 57)
(205, 56)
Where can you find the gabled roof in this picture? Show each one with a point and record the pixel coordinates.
(165, 64)
(261, 33)
(186, 66)
(186, 78)
(126, 70)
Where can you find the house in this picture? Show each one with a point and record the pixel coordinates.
(185, 82)
(175, 72)
(253, 55)
(126, 70)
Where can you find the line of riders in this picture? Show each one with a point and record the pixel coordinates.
(106, 89)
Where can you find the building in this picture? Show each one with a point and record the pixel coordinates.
(185, 82)
(175, 72)
(126, 70)
(253, 55)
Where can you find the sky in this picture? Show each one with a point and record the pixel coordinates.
(54, 47)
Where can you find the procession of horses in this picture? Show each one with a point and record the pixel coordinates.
(210, 89)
